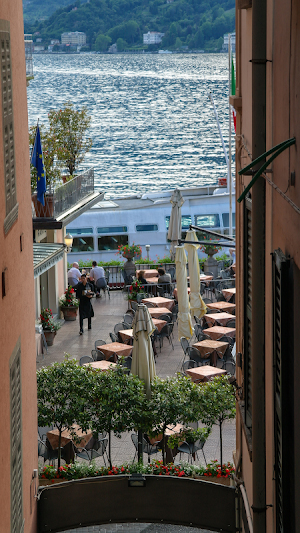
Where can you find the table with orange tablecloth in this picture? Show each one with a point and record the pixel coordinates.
(101, 365)
(117, 348)
(150, 273)
(160, 301)
(204, 373)
(159, 323)
(156, 312)
(170, 453)
(81, 441)
(126, 335)
(218, 331)
(229, 293)
(175, 292)
(211, 347)
(222, 318)
(222, 306)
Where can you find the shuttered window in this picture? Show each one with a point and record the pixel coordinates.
(248, 312)
(8, 128)
(16, 442)
(283, 408)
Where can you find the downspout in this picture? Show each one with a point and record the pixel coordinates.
(259, 28)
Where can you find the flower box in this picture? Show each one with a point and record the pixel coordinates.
(70, 313)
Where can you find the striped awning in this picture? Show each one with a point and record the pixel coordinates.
(45, 256)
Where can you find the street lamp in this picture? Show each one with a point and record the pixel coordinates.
(148, 251)
(68, 242)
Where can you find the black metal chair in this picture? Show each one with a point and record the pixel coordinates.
(42, 431)
(148, 448)
(113, 337)
(127, 361)
(195, 355)
(128, 319)
(166, 317)
(192, 448)
(188, 364)
(165, 332)
(184, 344)
(231, 323)
(175, 313)
(85, 359)
(93, 453)
(99, 343)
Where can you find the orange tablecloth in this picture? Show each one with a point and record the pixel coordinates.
(66, 437)
(101, 365)
(151, 273)
(152, 280)
(175, 292)
(156, 312)
(220, 317)
(229, 293)
(211, 347)
(159, 323)
(126, 335)
(222, 306)
(204, 277)
(218, 331)
(159, 301)
(115, 347)
(204, 373)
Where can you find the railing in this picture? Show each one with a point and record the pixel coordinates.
(68, 195)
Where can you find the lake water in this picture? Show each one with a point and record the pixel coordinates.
(153, 126)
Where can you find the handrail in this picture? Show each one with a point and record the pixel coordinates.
(226, 237)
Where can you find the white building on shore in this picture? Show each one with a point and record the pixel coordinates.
(152, 37)
(77, 38)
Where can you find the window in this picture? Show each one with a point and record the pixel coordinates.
(83, 244)
(248, 311)
(113, 229)
(79, 231)
(186, 221)
(16, 441)
(146, 227)
(111, 242)
(8, 128)
(225, 217)
(207, 221)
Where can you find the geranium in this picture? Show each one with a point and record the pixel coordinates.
(129, 251)
(47, 320)
(134, 289)
(210, 246)
(68, 299)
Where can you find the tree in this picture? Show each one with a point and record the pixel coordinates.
(49, 149)
(217, 404)
(61, 395)
(69, 128)
(102, 42)
(121, 44)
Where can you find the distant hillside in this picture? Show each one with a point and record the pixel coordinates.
(194, 24)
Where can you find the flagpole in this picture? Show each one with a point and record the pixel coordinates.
(229, 149)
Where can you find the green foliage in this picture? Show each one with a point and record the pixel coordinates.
(102, 42)
(52, 170)
(188, 435)
(47, 320)
(69, 128)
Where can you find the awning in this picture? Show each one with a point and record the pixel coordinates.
(45, 256)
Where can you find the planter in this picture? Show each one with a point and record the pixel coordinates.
(214, 479)
(49, 335)
(45, 482)
(44, 211)
(210, 252)
(227, 481)
(70, 313)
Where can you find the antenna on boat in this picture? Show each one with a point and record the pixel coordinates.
(220, 132)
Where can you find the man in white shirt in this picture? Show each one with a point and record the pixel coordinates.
(74, 275)
(97, 275)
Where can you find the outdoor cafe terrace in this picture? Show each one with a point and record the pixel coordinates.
(109, 312)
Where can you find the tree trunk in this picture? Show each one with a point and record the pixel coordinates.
(140, 446)
(59, 448)
(109, 448)
(221, 443)
(164, 446)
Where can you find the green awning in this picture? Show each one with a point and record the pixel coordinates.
(45, 256)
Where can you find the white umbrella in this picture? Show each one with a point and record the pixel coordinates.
(143, 364)
(198, 307)
(185, 328)
(174, 232)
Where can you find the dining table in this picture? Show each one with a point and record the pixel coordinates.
(160, 301)
(101, 365)
(221, 318)
(204, 373)
(156, 439)
(115, 349)
(175, 292)
(126, 335)
(229, 294)
(156, 312)
(81, 439)
(222, 306)
(214, 348)
(218, 331)
(150, 273)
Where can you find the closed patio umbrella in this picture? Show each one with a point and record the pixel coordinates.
(198, 307)
(185, 328)
(174, 232)
(143, 364)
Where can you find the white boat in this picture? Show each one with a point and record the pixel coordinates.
(143, 219)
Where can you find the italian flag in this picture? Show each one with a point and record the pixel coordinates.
(233, 92)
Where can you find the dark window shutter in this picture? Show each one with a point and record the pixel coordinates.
(16, 443)
(248, 311)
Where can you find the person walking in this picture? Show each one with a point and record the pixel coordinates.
(84, 294)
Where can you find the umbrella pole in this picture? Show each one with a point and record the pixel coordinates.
(140, 446)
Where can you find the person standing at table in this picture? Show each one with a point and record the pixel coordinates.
(85, 306)
(97, 275)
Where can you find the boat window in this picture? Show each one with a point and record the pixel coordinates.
(79, 231)
(111, 242)
(146, 227)
(207, 221)
(186, 221)
(113, 229)
(82, 244)
(225, 217)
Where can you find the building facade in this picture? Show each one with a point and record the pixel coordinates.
(76, 38)
(268, 261)
(152, 37)
(18, 406)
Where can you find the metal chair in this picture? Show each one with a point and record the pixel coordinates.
(220, 297)
(47, 453)
(118, 327)
(141, 296)
(150, 304)
(207, 300)
(130, 312)
(128, 319)
(195, 355)
(42, 431)
(126, 363)
(172, 272)
(85, 359)
(198, 320)
(226, 338)
(148, 448)
(231, 323)
(167, 318)
(164, 332)
(198, 331)
(175, 313)
(184, 344)
(126, 325)
(99, 343)
(106, 289)
(93, 453)
(100, 356)
(114, 337)
(94, 354)
(192, 448)
(134, 305)
(188, 364)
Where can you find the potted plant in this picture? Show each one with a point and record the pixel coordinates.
(134, 289)
(188, 435)
(69, 304)
(49, 326)
(210, 249)
(130, 251)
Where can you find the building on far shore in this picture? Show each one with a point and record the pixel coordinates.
(152, 37)
(74, 37)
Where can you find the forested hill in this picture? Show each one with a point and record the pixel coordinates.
(196, 24)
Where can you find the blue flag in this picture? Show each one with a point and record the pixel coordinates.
(37, 161)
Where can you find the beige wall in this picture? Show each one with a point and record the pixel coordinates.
(17, 308)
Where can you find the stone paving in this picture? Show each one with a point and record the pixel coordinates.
(109, 312)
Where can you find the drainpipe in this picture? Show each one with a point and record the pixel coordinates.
(258, 267)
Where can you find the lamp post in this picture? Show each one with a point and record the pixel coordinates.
(68, 242)
(148, 251)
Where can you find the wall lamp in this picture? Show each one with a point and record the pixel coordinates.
(137, 480)
(68, 242)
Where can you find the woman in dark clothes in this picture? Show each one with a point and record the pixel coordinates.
(84, 294)
(141, 278)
